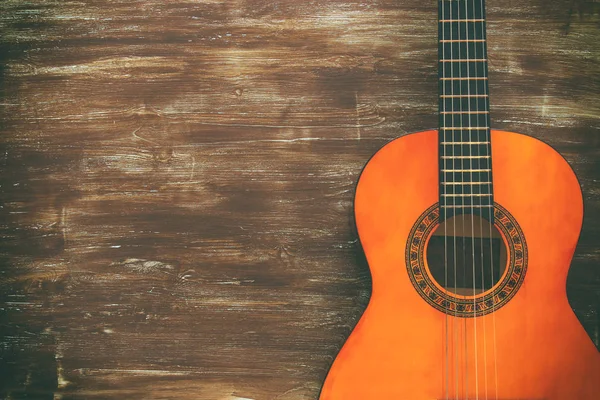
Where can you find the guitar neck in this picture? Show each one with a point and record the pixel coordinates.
(464, 117)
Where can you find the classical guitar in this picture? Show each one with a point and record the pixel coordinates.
(469, 233)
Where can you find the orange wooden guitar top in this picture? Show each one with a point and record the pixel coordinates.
(532, 348)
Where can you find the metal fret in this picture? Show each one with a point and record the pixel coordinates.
(473, 78)
(462, 41)
(463, 96)
(461, 157)
(465, 60)
(465, 183)
(466, 170)
(470, 128)
(466, 195)
(467, 206)
(462, 143)
(462, 20)
(465, 112)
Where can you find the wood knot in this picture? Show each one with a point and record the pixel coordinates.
(163, 154)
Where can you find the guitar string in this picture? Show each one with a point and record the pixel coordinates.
(487, 166)
(452, 118)
(489, 186)
(461, 91)
(443, 135)
(488, 192)
(471, 197)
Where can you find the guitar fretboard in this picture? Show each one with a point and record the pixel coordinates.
(464, 119)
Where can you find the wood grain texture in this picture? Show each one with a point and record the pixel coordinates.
(177, 179)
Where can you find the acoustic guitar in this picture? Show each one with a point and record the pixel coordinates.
(469, 233)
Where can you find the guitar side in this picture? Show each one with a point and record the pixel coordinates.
(532, 348)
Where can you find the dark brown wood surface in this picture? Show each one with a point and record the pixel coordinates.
(177, 179)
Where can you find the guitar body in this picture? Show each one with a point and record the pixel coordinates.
(533, 347)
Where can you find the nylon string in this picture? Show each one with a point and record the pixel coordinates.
(443, 83)
(488, 192)
(456, 337)
(490, 188)
(471, 197)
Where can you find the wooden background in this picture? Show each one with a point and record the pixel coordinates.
(177, 179)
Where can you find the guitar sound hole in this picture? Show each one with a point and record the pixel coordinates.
(466, 255)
